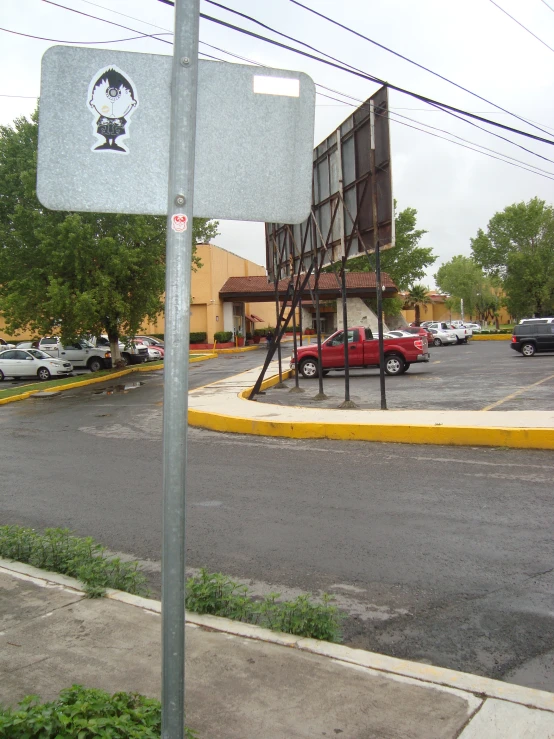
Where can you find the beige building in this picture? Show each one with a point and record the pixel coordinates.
(209, 311)
(437, 310)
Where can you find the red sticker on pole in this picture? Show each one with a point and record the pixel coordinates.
(179, 222)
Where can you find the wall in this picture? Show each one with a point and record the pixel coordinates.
(358, 314)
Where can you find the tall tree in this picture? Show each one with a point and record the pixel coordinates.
(518, 247)
(463, 279)
(418, 296)
(79, 272)
(406, 262)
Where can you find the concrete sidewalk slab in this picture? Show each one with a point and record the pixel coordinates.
(248, 684)
(223, 406)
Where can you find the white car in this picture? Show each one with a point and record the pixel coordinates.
(154, 355)
(32, 363)
(443, 336)
(475, 327)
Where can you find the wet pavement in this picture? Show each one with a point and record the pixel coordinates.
(481, 375)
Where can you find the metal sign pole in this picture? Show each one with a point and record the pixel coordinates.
(184, 79)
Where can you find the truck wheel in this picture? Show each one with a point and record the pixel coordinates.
(125, 359)
(43, 373)
(394, 364)
(528, 350)
(437, 342)
(95, 364)
(309, 368)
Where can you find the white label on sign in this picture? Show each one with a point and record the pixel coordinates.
(112, 99)
(277, 86)
(179, 222)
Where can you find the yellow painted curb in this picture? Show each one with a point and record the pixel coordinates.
(83, 383)
(202, 357)
(492, 337)
(237, 349)
(514, 438)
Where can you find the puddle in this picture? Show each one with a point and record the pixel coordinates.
(114, 389)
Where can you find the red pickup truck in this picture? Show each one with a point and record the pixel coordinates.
(363, 351)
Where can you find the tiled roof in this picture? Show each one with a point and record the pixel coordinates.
(327, 281)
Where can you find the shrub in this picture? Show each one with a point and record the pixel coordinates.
(263, 331)
(223, 336)
(58, 551)
(84, 713)
(199, 337)
(218, 595)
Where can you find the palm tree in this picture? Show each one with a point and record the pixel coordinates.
(418, 295)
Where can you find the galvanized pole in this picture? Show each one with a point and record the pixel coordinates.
(374, 195)
(184, 79)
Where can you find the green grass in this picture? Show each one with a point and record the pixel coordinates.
(85, 713)
(218, 595)
(57, 550)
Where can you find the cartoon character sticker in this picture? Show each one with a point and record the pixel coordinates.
(112, 99)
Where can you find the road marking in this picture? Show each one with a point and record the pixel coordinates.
(437, 361)
(518, 392)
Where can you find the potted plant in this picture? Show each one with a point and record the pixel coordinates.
(240, 339)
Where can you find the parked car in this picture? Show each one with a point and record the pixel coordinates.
(131, 353)
(475, 327)
(421, 331)
(400, 352)
(80, 353)
(441, 336)
(532, 337)
(537, 320)
(150, 341)
(462, 333)
(4, 345)
(32, 363)
(27, 344)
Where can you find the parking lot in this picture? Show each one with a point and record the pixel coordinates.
(481, 375)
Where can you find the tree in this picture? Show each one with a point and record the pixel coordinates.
(80, 272)
(406, 262)
(418, 296)
(518, 248)
(463, 279)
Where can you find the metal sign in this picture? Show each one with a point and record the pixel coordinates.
(104, 130)
(343, 194)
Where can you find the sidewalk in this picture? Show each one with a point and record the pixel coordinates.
(243, 682)
(223, 406)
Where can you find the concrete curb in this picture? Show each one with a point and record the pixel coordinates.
(436, 676)
(146, 367)
(357, 430)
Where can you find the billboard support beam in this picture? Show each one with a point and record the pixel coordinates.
(376, 247)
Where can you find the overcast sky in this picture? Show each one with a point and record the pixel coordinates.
(473, 43)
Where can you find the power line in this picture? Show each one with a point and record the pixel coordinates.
(536, 170)
(411, 61)
(104, 20)
(65, 41)
(547, 5)
(521, 24)
(353, 70)
(124, 15)
(27, 97)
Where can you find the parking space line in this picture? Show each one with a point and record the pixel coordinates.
(518, 392)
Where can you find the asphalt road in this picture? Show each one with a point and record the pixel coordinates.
(471, 376)
(437, 554)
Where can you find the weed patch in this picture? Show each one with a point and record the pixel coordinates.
(57, 550)
(84, 713)
(218, 595)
